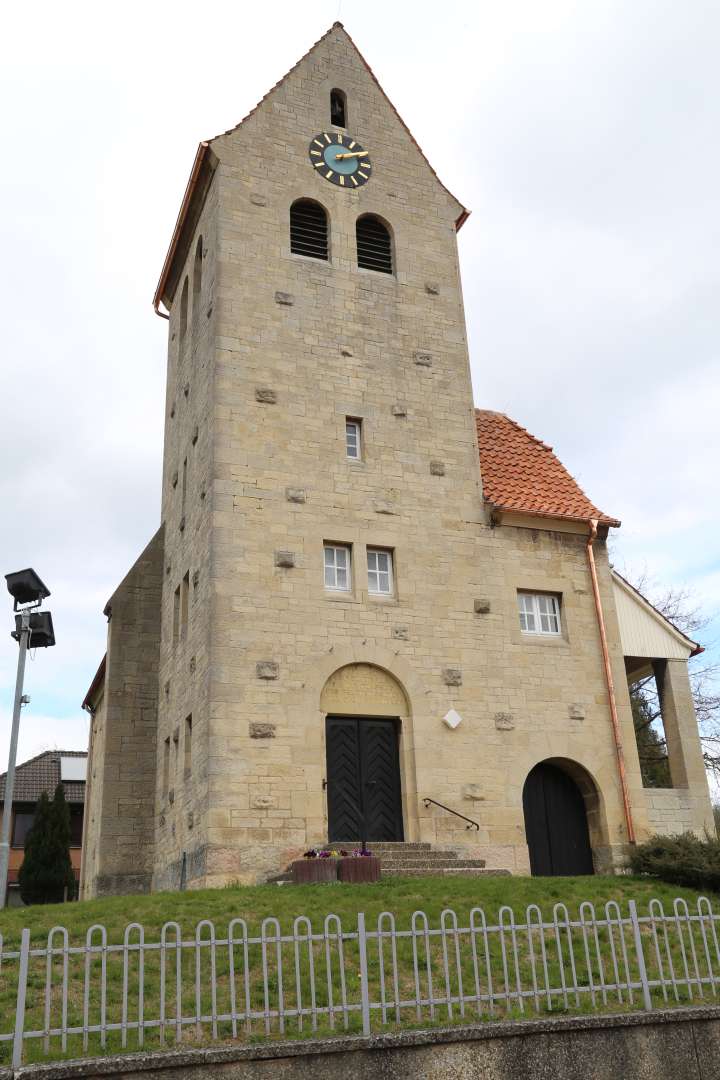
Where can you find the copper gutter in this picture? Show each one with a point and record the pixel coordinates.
(609, 680)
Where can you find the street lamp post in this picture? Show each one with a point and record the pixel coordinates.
(32, 629)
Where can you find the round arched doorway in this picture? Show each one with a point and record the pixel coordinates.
(556, 824)
(364, 708)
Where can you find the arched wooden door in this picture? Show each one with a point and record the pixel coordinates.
(556, 823)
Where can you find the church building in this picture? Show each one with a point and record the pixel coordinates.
(370, 610)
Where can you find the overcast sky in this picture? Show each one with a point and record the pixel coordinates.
(583, 137)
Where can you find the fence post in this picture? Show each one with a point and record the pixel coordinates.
(364, 982)
(20, 1006)
(647, 1000)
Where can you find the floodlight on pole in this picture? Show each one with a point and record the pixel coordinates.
(33, 629)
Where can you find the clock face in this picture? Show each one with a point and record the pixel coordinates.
(340, 159)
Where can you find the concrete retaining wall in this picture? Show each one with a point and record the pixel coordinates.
(681, 1044)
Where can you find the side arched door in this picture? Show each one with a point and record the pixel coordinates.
(556, 823)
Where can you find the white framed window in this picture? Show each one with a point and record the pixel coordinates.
(353, 445)
(337, 567)
(539, 613)
(380, 572)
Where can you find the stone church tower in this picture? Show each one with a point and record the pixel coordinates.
(329, 592)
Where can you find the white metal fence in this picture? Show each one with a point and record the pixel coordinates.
(103, 998)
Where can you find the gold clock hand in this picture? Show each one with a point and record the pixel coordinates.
(358, 153)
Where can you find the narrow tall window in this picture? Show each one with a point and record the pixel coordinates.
(184, 601)
(374, 246)
(380, 575)
(176, 616)
(539, 613)
(184, 486)
(337, 567)
(197, 285)
(353, 446)
(338, 108)
(184, 311)
(188, 745)
(308, 229)
(166, 767)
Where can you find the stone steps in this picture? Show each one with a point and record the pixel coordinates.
(416, 859)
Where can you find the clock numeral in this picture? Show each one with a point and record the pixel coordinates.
(363, 175)
(315, 153)
(352, 144)
(317, 142)
(342, 180)
(329, 174)
(354, 180)
(327, 138)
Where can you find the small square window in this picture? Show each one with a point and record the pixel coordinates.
(353, 446)
(539, 613)
(380, 572)
(337, 567)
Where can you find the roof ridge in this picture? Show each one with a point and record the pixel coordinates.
(46, 753)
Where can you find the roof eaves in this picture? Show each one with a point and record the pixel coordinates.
(98, 679)
(696, 647)
(602, 519)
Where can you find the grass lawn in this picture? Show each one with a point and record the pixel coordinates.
(401, 896)
(253, 978)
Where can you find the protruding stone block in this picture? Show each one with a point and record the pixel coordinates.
(264, 802)
(452, 676)
(401, 633)
(437, 468)
(262, 730)
(432, 288)
(504, 721)
(267, 669)
(257, 199)
(473, 792)
(576, 711)
(285, 558)
(295, 495)
(423, 359)
(399, 409)
(284, 298)
(265, 395)
(481, 606)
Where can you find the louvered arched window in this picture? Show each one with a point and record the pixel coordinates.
(308, 229)
(374, 244)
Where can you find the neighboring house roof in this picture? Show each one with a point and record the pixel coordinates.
(521, 473)
(204, 146)
(42, 773)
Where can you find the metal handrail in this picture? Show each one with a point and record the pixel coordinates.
(472, 825)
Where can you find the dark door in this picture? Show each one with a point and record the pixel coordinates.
(363, 779)
(556, 823)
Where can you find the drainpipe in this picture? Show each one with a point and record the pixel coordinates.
(609, 680)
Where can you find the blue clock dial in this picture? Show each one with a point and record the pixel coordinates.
(340, 160)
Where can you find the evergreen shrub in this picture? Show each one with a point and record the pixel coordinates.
(680, 860)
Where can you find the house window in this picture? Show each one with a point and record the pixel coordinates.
(352, 439)
(337, 567)
(308, 229)
(374, 246)
(76, 824)
(338, 108)
(22, 824)
(539, 613)
(380, 575)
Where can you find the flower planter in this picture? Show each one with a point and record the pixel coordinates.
(314, 871)
(359, 869)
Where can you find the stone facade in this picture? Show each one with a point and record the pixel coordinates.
(269, 352)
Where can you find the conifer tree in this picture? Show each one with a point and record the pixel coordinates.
(46, 871)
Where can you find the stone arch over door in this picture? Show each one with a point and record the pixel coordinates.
(368, 703)
(563, 819)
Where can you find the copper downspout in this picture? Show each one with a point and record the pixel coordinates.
(609, 680)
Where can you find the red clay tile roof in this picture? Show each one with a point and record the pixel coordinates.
(519, 472)
(42, 773)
